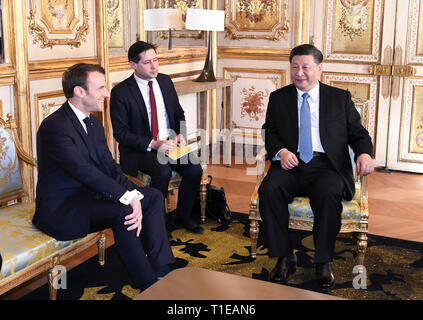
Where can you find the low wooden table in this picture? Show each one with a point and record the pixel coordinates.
(202, 284)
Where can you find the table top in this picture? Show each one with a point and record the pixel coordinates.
(191, 283)
(189, 86)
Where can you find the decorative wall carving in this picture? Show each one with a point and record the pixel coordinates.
(353, 30)
(411, 132)
(251, 91)
(256, 19)
(115, 23)
(46, 103)
(415, 39)
(59, 17)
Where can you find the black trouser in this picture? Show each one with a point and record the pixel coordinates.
(141, 258)
(161, 174)
(316, 180)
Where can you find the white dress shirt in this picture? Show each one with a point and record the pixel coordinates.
(162, 118)
(128, 195)
(313, 101)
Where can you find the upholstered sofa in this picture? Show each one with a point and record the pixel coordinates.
(26, 251)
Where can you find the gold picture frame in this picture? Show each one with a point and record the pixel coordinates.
(258, 19)
(58, 17)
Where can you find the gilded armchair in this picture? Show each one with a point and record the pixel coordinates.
(354, 214)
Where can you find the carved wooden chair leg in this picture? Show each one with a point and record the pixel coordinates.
(203, 201)
(361, 247)
(101, 245)
(168, 207)
(254, 231)
(51, 275)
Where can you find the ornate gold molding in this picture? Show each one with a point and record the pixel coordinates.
(45, 107)
(253, 53)
(47, 69)
(274, 34)
(40, 35)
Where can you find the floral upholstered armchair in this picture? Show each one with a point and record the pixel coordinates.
(354, 213)
(26, 251)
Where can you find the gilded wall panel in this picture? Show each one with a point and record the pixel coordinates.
(251, 91)
(411, 132)
(115, 22)
(415, 32)
(68, 26)
(364, 93)
(256, 19)
(46, 103)
(353, 30)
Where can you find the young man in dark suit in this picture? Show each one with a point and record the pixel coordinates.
(308, 128)
(147, 118)
(81, 189)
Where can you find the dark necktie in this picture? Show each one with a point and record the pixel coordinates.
(306, 147)
(91, 141)
(154, 122)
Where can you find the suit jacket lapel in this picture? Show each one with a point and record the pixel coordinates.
(76, 124)
(136, 93)
(78, 127)
(292, 103)
(324, 111)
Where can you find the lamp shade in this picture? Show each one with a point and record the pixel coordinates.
(204, 19)
(162, 19)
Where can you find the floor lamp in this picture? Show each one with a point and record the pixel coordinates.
(163, 19)
(206, 20)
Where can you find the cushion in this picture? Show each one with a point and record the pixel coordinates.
(146, 179)
(11, 186)
(22, 244)
(300, 209)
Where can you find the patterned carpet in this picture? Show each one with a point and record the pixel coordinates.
(394, 267)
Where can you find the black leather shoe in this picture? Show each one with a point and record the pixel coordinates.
(284, 267)
(324, 276)
(191, 227)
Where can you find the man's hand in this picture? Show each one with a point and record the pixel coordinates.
(134, 219)
(180, 140)
(288, 159)
(364, 164)
(163, 145)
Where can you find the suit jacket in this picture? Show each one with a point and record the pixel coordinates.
(67, 173)
(131, 127)
(339, 126)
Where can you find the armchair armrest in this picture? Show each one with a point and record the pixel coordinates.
(260, 160)
(22, 154)
(364, 204)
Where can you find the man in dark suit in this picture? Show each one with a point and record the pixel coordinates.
(81, 189)
(308, 128)
(147, 121)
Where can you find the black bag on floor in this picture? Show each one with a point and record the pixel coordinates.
(216, 206)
